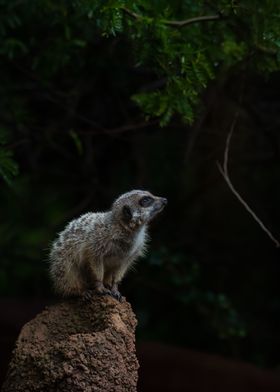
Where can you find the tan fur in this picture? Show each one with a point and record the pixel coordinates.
(95, 250)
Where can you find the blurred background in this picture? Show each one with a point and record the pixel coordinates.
(99, 99)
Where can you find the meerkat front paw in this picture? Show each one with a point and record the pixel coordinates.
(98, 289)
(117, 295)
(114, 292)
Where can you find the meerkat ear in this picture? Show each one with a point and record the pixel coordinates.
(127, 214)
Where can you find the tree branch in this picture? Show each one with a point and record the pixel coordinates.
(224, 171)
(131, 13)
(182, 23)
(120, 130)
(265, 49)
(175, 23)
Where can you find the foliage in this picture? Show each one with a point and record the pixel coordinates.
(183, 279)
(8, 167)
(188, 57)
(182, 59)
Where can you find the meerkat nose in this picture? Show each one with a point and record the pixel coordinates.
(164, 201)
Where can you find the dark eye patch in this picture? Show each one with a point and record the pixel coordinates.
(127, 214)
(146, 201)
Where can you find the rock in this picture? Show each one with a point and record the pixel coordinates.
(76, 346)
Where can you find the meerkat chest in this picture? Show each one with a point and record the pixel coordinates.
(121, 250)
(139, 242)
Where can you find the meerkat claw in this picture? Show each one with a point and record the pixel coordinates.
(117, 295)
(102, 291)
(88, 295)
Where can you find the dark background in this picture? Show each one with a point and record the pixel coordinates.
(210, 281)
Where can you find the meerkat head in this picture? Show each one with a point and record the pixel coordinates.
(137, 208)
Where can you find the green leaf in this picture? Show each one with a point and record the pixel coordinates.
(8, 167)
(77, 141)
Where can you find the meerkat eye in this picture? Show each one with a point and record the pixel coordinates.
(146, 201)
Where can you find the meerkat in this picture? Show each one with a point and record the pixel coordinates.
(93, 253)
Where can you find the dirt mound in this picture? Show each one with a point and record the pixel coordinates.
(76, 346)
